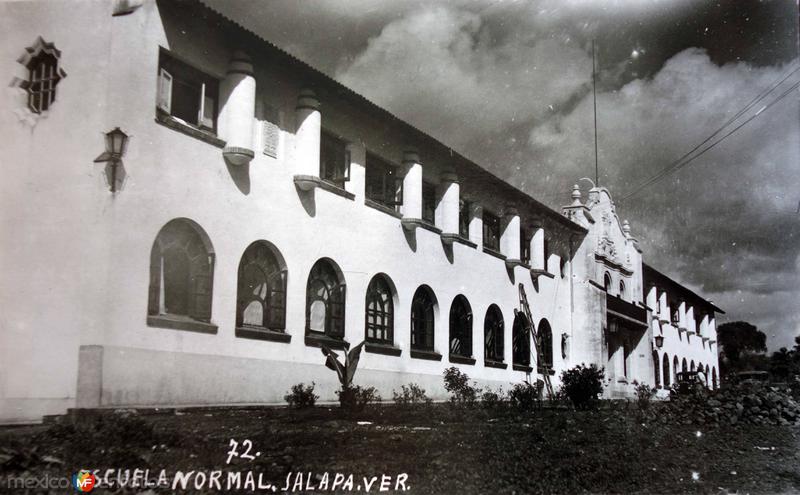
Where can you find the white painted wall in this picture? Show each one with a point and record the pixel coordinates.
(75, 257)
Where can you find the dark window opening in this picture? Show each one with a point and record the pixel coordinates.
(525, 246)
(667, 375)
(261, 291)
(674, 307)
(429, 202)
(460, 327)
(181, 270)
(422, 324)
(43, 76)
(675, 369)
(325, 298)
(463, 218)
(626, 353)
(383, 185)
(491, 231)
(334, 160)
(493, 334)
(379, 312)
(546, 246)
(521, 341)
(607, 282)
(621, 289)
(187, 94)
(657, 369)
(545, 335)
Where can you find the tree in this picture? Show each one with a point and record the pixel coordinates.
(781, 364)
(785, 364)
(739, 341)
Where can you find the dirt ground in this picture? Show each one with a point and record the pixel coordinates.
(439, 449)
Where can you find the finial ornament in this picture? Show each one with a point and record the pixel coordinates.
(576, 195)
(626, 228)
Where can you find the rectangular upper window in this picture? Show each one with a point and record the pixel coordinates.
(429, 202)
(463, 219)
(334, 160)
(187, 94)
(524, 246)
(383, 185)
(491, 231)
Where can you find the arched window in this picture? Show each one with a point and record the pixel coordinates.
(379, 317)
(493, 334)
(657, 369)
(667, 375)
(675, 369)
(683, 365)
(707, 379)
(422, 319)
(621, 289)
(261, 291)
(714, 378)
(545, 334)
(460, 327)
(607, 282)
(691, 366)
(521, 355)
(626, 355)
(325, 297)
(181, 274)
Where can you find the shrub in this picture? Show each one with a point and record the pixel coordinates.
(491, 399)
(523, 396)
(583, 385)
(644, 393)
(301, 396)
(411, 396)
(457, 383)
(356, 398)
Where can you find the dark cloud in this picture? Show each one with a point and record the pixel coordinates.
(509, 85)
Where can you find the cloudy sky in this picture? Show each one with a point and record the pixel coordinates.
(508, 84)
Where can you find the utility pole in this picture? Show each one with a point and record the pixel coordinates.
(594, 94)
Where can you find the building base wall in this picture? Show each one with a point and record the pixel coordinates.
(112, 376)
(29, 410)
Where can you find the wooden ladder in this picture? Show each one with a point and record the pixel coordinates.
(526, 310)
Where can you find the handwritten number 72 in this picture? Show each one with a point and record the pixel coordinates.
(247, 445)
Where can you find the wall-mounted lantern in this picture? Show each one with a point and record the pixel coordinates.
(116, 145)
(659, 341)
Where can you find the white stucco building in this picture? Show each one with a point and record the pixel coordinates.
(260, 209)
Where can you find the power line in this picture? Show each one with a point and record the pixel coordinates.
(676, 164)
(679, 163)
(763, 109)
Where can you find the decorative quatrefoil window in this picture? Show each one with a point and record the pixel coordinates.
(41, 62)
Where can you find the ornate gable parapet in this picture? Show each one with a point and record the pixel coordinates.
(613, 236)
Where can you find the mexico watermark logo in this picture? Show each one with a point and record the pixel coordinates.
(84, 481)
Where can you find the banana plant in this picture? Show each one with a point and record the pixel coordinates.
(345, 370)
